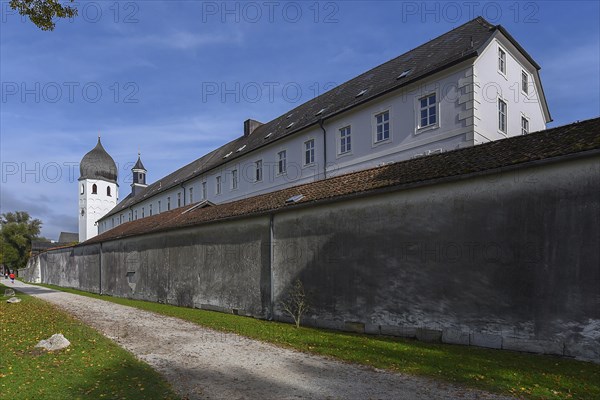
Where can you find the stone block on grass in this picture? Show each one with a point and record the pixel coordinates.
(486, 340)
(429, 335)
(454, 336)
(533, 346)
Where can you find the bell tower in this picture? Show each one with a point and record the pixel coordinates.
(98, 189)
(139, 176)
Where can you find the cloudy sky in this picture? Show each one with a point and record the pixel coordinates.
(176, 79)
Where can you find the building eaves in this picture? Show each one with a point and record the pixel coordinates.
(568, 140)
(453, 47)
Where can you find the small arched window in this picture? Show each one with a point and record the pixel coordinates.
(94, 189)
(108, 191)
(82, 188)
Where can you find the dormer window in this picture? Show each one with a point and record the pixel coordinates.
(94, 189)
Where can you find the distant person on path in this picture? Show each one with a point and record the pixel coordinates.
(12, 277)
(5, 274)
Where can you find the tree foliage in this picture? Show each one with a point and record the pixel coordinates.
(43, 12)
(17, 230)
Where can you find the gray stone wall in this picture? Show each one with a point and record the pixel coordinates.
(504, 261)
(507, 260)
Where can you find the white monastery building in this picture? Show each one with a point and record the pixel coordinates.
(472, 85)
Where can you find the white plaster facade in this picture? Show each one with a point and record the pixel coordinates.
(466, 109)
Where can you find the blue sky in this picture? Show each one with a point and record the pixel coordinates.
(176, 79)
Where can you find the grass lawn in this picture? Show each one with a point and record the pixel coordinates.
(92, 367)
(523, 375)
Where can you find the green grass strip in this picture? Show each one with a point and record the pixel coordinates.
(92, 367)
(524, 375)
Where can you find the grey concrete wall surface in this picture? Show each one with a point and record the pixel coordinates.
(508, 260)
(505, 261)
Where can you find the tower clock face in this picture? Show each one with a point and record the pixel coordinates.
(82, 212)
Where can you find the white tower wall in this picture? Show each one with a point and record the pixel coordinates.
(94, 205)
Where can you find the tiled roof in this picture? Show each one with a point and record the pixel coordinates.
(68, 237)
(448, 49)
(562, 141)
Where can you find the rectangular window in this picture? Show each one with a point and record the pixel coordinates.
(501, 116)
(234, 179)
(179, 199)
(524, 82)
(309, 152)
(258, 175)
(143, 212)
(136, 214)
(427, 111)
(382, 122)
(169, 203)
(345, 140)
(501, 60)
(281, 162)
(203, 190)
(524, 126)
(150, 206)
(159, 208)
(191, 195)
(218, 182)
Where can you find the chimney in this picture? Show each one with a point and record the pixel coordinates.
(250, 125)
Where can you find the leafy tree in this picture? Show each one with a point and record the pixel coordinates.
(43, 12)
(17, 230)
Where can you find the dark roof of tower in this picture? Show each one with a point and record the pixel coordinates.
(138, 164)
(98, 164)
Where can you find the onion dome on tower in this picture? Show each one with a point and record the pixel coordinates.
(98, 164)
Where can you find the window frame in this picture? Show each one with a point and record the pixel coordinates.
(501, 63)
(234, 179)
(282, 162)
(376, 125)
(218, 185)
(308, 152)
(168, 203)
(524, 82)
(344, 140)
(505, 120)
(526, 120)
(94, 189)
(258, 171)
(178, 199)
(436, 105)
(204, 191)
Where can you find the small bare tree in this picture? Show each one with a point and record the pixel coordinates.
(296, 304)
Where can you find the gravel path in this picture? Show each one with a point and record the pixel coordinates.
(204, 364)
